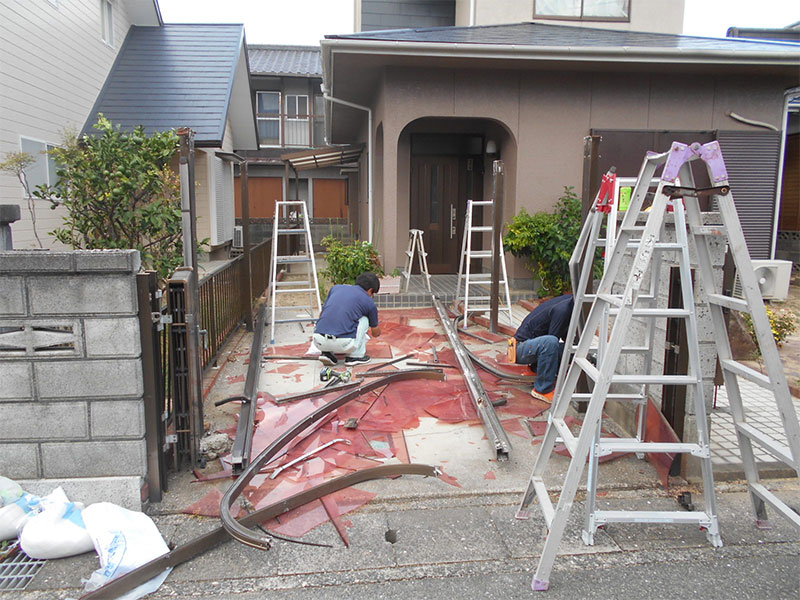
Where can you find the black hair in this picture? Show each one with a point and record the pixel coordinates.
(369, 281)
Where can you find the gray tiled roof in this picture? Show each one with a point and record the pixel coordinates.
(173, 76)
(542, 35)
(285, 60)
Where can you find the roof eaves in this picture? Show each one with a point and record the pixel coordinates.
(572, 53)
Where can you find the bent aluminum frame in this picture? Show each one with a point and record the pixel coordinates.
(491, 423)
(199, 545)
(247, 536)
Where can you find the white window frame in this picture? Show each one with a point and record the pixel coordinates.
(277, 117)
(107, 21)
(43, 154)
(294, 98)
(581, 17)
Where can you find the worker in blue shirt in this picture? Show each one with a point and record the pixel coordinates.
(540, 343)
(349, 311)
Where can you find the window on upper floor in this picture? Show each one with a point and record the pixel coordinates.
(107, 21)
(43, 170)
(268, 117)
(587, 10)
(297, 125)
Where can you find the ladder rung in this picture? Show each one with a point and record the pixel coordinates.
(292, 231)
(769, 444)
(588, 368)
(728, 302)
(655, 379)
(303, 320)
(566, 435)
(709, 230)
(650, 516)
(482, 202)
(616, 396)
(655, 312)
(609, 299)
(479, 254)
(658, 245)
(750, 374)
(293, 290)
(288, 283)
(609, 445)
(623, 350)
(291, 259)
(481, 228)
(544, 500)
(633, 228)
(776, 503)
(295, 308)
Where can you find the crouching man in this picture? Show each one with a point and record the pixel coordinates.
(348, 312)
(539, 343)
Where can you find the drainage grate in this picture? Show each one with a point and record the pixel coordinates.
(17, 570)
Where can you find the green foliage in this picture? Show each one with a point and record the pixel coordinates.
(547, 241)
(120, 191)
(346, 262)
(783, 324)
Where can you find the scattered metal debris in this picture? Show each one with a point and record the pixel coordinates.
(239, 531)
(307, 455)
(199, 545)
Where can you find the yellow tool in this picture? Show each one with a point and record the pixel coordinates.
(512, 350)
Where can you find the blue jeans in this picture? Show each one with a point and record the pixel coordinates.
(543, 353)
(356, 346)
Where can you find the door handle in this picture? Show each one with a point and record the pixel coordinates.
(452, 221)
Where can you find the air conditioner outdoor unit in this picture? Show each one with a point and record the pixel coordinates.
(773, 279)
(238, 236)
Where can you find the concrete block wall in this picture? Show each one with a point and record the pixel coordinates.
(623, 413)
(71, 388)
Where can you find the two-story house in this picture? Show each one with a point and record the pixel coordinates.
(293, 162)
(119, 58)
(446, 101)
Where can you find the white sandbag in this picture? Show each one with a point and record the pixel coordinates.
(56, 532)
(124, 540)
(10, 491)
(14, 516)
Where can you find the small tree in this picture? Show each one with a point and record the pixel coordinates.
(17, 163)
(120, 191)
(547, 241)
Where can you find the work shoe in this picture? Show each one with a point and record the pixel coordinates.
(548, 397)
(357, 360)
(328, 359)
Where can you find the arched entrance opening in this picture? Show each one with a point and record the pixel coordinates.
(443, 162)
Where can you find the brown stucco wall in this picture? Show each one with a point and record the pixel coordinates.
(542, 118)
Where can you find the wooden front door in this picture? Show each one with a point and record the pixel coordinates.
(437, 209)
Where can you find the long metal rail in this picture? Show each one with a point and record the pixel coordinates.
(491, 423)
(247, 536)
(199, 545)
(240, 453)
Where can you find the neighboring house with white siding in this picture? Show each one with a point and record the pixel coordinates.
(63, 62)
(56, 56)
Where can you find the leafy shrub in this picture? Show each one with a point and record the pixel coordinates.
(783, 324)
(547, 241)
(346, 262)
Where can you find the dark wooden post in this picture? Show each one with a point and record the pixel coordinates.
(246, 287)
(497, 226)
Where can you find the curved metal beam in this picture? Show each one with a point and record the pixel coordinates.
(199, 545)
(237, 529)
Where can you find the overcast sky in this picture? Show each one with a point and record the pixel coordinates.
(305, 22)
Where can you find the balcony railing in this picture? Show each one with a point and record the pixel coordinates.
(284, 131)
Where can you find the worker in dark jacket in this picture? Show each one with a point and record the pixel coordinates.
(349, 311)
(540, 342)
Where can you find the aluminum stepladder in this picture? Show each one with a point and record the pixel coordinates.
(468, 254)
(293, 223)
(415, 246)
(625, 307)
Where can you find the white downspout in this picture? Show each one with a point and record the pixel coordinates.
(369, 155)
(787, 97)
(472, 8)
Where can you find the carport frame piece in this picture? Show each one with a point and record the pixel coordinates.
(205, 542)
(247, 536)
